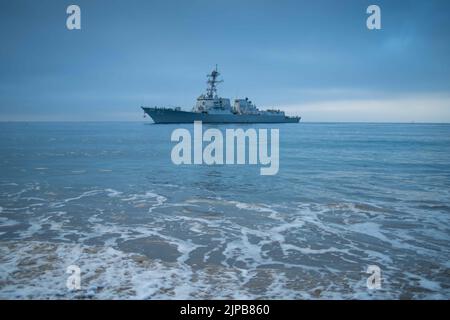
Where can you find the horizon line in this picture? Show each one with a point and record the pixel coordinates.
(150, 122)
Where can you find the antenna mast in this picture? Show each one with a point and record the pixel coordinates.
(211, 90)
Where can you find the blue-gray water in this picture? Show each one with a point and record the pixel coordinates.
(106, 197)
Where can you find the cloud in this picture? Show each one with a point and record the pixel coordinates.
(422, 108)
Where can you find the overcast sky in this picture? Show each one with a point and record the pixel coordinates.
(316, 58)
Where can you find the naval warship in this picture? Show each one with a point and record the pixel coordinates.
(210, 108)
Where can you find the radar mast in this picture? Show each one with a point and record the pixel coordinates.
(211, 90)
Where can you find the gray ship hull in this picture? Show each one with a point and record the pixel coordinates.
(160, 115)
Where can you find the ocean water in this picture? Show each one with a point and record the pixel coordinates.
(107, 198)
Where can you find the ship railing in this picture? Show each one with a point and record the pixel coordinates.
(166, 108)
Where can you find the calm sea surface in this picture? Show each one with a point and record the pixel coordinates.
(107, 198)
